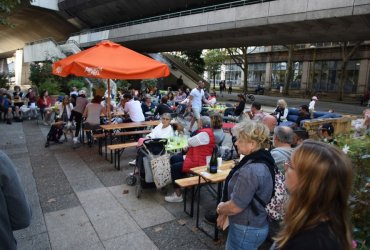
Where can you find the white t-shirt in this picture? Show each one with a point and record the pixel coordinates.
(197, 95)
(159, 132)
(312, 105)
(133, 108)
(93, 113)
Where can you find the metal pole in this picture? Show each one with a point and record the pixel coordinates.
(108, 102)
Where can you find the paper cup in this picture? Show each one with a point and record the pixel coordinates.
(219, 161)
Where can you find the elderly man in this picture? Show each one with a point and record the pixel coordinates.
(282, 141)
(195, 103)
(200, 146)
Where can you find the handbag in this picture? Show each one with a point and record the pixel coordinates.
(161, 169)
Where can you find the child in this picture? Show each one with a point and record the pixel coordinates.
(327, 134)
(55, 132)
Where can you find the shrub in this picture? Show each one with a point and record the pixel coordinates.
(51, 86)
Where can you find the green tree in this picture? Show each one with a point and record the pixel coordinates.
(7, 7)
(213, 59)
(240, 57)
(194, 60)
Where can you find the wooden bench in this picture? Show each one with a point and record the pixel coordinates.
(118, 150)
(121, 134)
(186, 183)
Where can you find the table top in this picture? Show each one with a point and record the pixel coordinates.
(129, 125)
(177, 142)
(222, 172)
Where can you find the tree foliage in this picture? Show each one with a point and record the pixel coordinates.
(240, 57)
(7, 7)
(213, 59)
(193, 59)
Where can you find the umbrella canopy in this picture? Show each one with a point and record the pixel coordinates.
(108, 60)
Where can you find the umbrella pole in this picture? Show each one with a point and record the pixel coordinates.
(108, 102)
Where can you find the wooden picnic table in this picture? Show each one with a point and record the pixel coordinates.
(217, 178)
(110, 127)
(122, 126)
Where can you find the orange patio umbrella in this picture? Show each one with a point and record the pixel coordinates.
(109, 60)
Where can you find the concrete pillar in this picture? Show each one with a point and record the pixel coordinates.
(363, 76)
(305, 75)
(18, 66)
(268, 76)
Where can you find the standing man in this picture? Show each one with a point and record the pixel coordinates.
(195, 104)
(15, 212)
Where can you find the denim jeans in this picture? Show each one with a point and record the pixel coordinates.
(245, 237)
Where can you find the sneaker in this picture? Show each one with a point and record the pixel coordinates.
(45, 123)
(132, 163)
(75, 140)
(211, 217)
(173, 198)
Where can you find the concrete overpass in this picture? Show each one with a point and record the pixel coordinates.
(264, 23)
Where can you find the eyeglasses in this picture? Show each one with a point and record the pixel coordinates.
(287, 165)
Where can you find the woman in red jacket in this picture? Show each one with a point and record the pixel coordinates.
(44, 104)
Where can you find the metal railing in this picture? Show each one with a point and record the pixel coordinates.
(174, 15)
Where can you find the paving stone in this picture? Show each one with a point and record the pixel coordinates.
(131, 241)
(172, 236)
(70, 228)
(38, 241)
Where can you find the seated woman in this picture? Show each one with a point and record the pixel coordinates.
(92, 113)
(250, 177)
(212, 98)
(281, 111)
(312, 178)
(216, 125)
(199, 147)
(181, 95)
(44, 104)
(147, 106)
(65, 109)
(163, 107)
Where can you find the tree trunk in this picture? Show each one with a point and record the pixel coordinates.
(345, 58)
(245, 68)
(289, 73)
(342, 80)
(214, 80)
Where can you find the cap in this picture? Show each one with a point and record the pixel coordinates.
(82, 92)
(315, 98)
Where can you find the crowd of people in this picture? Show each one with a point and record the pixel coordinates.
(312, 169)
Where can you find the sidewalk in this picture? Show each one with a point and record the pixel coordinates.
(270, 101)
(79, 201)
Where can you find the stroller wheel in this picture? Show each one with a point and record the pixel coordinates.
(131, 180)
(138, 191)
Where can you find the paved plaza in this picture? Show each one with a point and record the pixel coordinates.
(79, 201)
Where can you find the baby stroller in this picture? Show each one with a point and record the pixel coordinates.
(143, 171)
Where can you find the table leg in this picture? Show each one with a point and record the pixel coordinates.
(198, 205)
(219, 193)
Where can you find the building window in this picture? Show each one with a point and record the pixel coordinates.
(328, 73)
(256, 74)
(279, 71)
(233, 74)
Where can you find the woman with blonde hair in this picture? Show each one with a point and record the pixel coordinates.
(319, 180)
(248, 224)
(281, 111)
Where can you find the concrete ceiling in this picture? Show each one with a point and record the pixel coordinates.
(32, 24)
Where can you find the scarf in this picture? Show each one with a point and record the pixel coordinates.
(259, 156)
